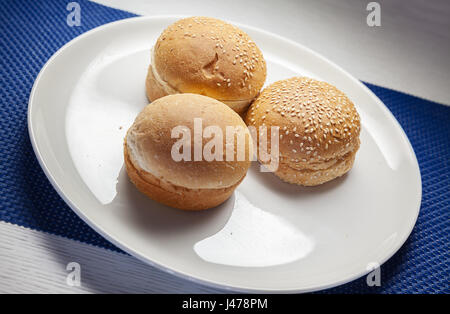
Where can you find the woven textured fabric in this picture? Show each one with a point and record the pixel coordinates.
(31, 31)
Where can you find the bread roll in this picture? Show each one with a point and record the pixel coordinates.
(209, 57)
(319, 129)
(151, 153)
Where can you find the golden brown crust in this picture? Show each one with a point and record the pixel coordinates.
(318, 124)
(310, 177)
(172, 195)
(153, 89)
(185, 184)
(210, 57)
(150, 140)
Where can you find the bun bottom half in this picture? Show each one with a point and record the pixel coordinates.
(310, 177)
(172, 195)
(154, 90)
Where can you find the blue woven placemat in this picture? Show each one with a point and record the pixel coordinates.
(31, 31)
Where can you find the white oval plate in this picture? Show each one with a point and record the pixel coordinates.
(270, 236)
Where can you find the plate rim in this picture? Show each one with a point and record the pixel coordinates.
(182, 274)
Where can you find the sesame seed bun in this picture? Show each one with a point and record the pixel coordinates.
(206, 56)
(191, 185)
(319, 129)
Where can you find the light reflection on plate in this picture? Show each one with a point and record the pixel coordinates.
(253, 237)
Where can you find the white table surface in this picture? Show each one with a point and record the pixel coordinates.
(409, 52)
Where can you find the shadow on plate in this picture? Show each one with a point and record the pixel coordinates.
(160, 220)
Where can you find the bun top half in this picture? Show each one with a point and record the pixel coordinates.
(150, 142)
(317, 122)
(210, 57)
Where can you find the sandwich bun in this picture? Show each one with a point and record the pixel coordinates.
(185, 184)
(319, 129)
(206, 56)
